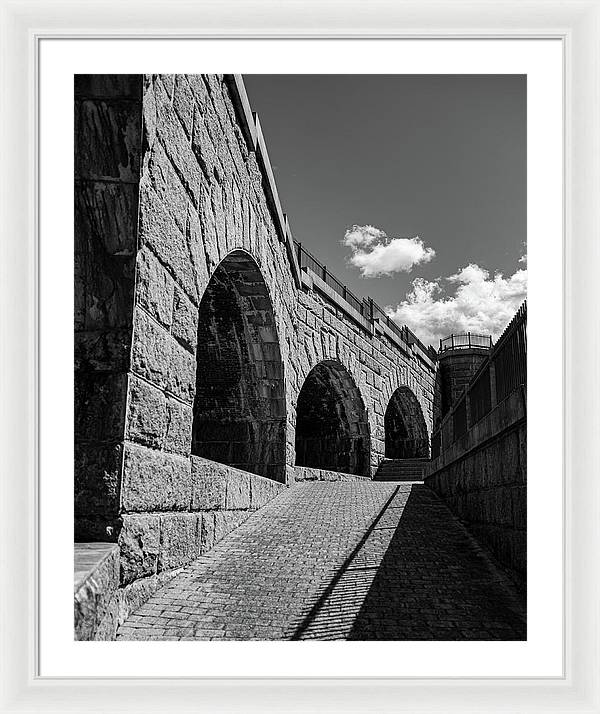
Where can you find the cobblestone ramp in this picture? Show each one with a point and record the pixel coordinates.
(355, 560)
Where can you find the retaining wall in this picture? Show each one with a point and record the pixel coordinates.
(483, 479)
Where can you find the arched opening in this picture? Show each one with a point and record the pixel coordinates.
(239, 409)
(332, 430)
(405, 428)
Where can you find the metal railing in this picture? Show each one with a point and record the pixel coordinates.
(465, 340)
(510, 356)
(503, 372)
(366, 307)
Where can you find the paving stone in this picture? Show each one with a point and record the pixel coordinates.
(339, 560)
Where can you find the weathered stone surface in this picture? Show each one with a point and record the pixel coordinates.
(209, 481)
(155, 481)
(177, 146)
(159, 231)
(100, 399)
(151, 351)
(107, 212)
(131, 597)
(182, 373)
(180, 536)
(226, 521)
(263, 490)
(147, 418)
(96, 582)
(238, 490)
(155, 287)
(185, 321)
(107, 139)
(178, 436)
(97, 478)
(183, 103)
(139, 541)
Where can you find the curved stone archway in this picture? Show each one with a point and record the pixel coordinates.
(239, 407)
(405, 427)
(332, 428)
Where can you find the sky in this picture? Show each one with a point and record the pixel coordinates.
(410, 188)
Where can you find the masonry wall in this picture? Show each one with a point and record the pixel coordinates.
(483, 479)
(107, 167)
(200, 202)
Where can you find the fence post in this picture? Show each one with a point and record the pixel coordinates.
(468, 407)
(493, 396)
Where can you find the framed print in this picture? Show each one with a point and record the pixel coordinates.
(292, 254)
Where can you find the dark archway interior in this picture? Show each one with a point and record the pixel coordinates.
(239, 409)
(332, 430)
(405, 428)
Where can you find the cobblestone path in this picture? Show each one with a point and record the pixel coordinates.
(344, 560)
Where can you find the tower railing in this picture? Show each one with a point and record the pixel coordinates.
(465, 340)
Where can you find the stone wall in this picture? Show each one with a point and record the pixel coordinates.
(483, 479)
(107, 168)
(212, 330)
(303, 473)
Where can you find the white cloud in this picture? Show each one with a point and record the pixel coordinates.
(374, 254)
(480, 304)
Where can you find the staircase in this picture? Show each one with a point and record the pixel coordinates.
(401, 470)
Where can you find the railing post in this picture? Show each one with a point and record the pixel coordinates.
(324, 274)
(452, 338)
(493, 396)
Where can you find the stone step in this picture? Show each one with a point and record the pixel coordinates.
(401, 470)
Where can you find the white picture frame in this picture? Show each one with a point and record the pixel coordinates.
(23, 25)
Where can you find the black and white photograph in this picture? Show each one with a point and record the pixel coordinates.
(300, 357)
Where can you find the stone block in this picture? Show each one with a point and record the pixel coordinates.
(179, 540)
(177, 146)
(182, 373)
(227, 521)
(151, 350)
(107, 215)
(106, 351)
(159, 231)
(96, 582)
(108, 139)
(97, 479)
(263, 490)
(100, 399)
(139, 542)
(183, 103)
(155, 481)
(209, 481)
(154, 287)
(147, 417)
(207, 532)
(238, 490)
(185, 321)
(178, 436)
(160, 175)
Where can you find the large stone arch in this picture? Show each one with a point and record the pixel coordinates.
(240, 402)
(332, 425)
(406, 433)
